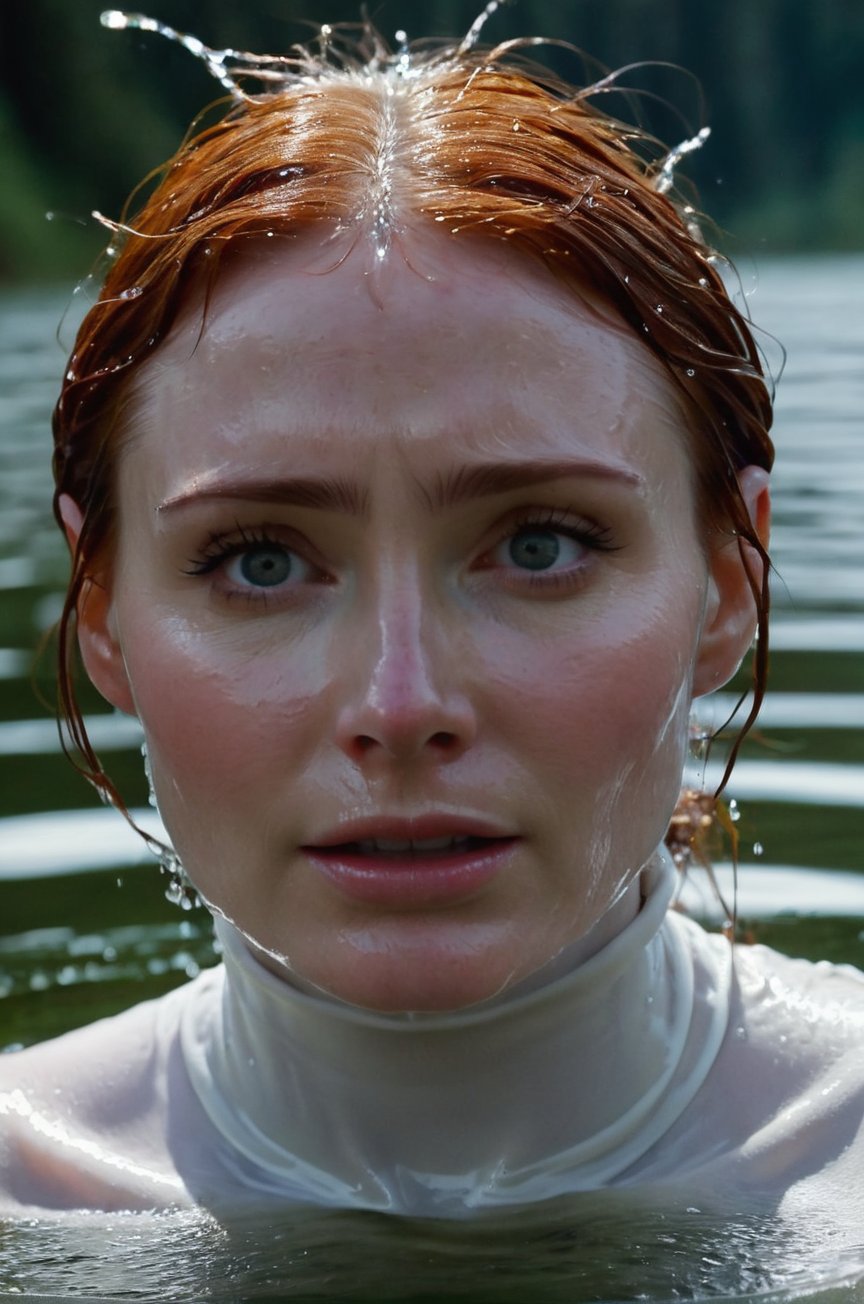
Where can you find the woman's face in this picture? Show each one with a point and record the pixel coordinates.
(411, 598)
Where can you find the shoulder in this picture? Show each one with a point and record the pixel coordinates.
(84, 1117)
(781, 1110)
(817, 1006)
(792, 1070)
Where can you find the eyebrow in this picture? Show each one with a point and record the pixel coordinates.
(449, 490)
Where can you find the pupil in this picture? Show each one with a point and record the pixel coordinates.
(266, 566)
(535, 549)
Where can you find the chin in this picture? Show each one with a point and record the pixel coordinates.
(421, 974)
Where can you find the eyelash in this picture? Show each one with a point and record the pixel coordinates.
(220, 547)
(597, 538)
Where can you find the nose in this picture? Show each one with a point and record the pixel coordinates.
(406, 700)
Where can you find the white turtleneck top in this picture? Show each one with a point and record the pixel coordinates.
(668, 1056)
(559, 1089)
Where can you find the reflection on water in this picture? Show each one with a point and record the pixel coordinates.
(611, 1246)
(87, 930)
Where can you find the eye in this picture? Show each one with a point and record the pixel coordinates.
(264, 566)
(537, 548)
(253, 564)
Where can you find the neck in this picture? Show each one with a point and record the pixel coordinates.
(562, 1085)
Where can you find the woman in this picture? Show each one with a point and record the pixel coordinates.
(414, 464)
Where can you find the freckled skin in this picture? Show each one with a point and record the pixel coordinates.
(410, 666)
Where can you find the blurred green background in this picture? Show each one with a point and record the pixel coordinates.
(85, 112)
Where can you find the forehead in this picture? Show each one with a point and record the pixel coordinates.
(447, 343)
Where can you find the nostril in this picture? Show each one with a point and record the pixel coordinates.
(443, 740)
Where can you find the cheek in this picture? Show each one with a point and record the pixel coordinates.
(221, 722)
(602, 709)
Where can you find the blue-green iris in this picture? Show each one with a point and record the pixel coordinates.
(535, 549)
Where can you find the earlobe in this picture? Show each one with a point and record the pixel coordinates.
(97, 633)
(731, 611)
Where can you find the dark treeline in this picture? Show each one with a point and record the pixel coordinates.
(85, 112)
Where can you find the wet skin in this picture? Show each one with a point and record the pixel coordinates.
(412, 548)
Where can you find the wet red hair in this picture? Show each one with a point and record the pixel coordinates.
(484, 147)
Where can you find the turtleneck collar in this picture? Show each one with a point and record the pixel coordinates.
(559, 1088)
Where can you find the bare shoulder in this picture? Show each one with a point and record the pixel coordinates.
(83, 1117)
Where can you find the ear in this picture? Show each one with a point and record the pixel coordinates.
(730, 614)
(97, 632)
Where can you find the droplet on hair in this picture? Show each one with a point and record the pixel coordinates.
(758, 849)
(114, 19)
(703, 281)
(691, 372)
(134, 292)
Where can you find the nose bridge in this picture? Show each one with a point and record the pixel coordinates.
(400, 671)
(402, 695)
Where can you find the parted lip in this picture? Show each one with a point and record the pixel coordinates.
(414, 828)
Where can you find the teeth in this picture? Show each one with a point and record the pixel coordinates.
(410, 844)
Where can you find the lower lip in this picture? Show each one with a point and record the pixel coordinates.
(387, 880)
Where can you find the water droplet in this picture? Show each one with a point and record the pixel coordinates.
(691, 372)
(703, 281)
(516, 126)
(758, 849)
(114, 19)
(134, 292)
(740, 1033)
(659, 308)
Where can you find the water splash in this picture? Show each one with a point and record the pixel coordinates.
(472, 36)
(666, 176)
(118, 20)
(227, 66)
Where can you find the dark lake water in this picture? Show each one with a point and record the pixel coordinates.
(85, 929)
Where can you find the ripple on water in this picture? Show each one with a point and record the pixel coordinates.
(607, 1245)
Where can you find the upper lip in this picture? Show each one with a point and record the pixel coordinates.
(410, 828)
